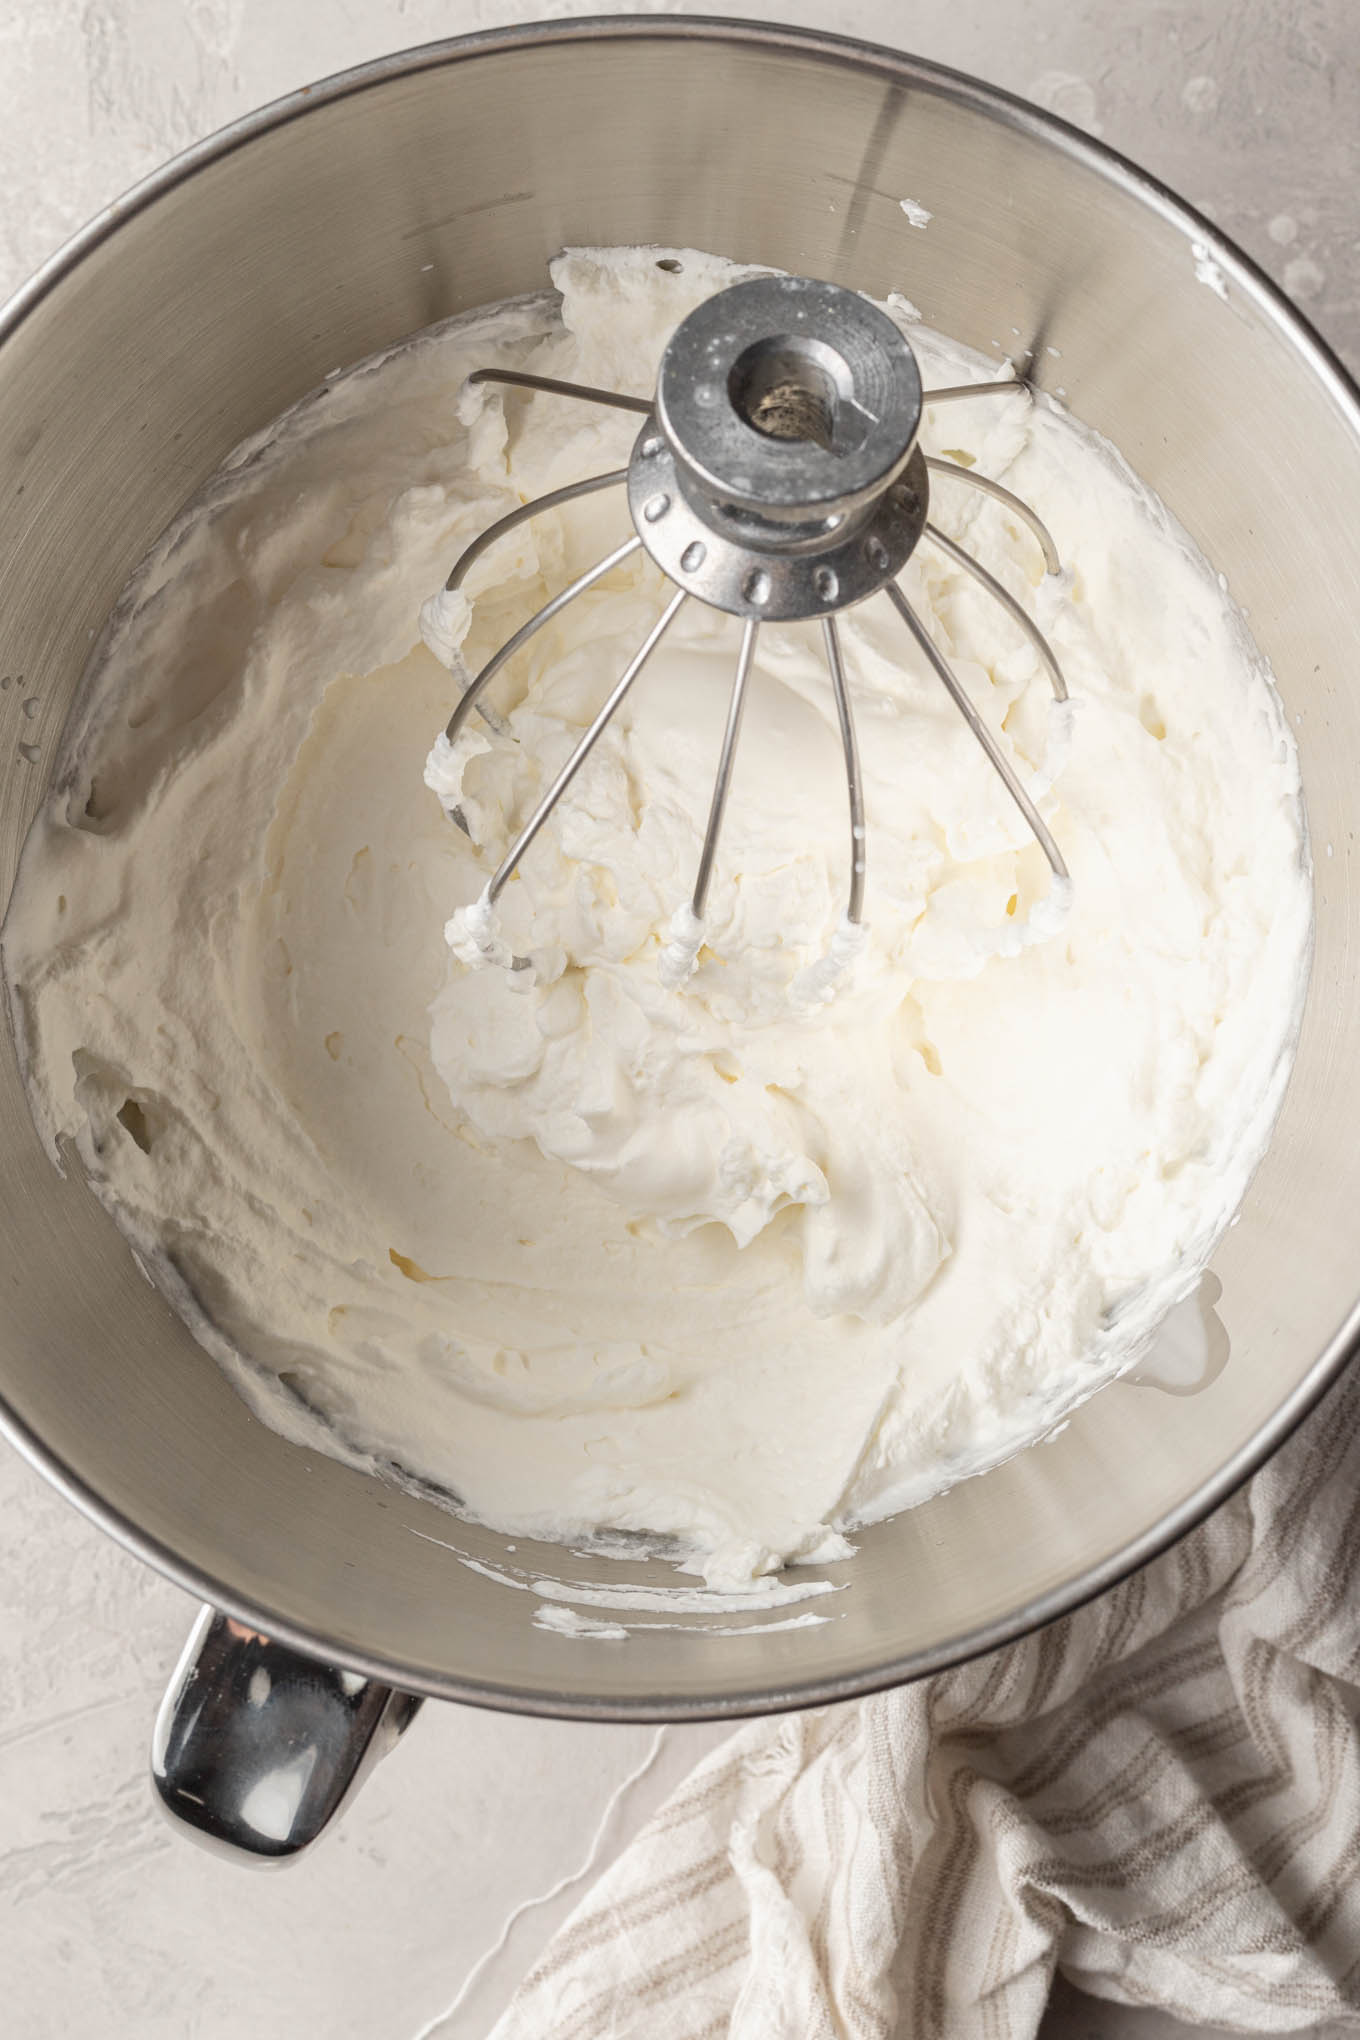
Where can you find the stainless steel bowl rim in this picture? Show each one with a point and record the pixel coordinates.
(1243, 275)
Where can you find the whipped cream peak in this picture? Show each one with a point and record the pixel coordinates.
(447, 763)
(474, 936)
(680, 953)
(1048, 916)
(1057, 750)
(444, 622)
(818, 984)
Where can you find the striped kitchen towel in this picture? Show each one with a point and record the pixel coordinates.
(1158, 1795)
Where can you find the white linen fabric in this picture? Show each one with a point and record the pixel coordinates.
(1158, 1795)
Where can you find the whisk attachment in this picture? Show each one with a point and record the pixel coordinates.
(776, 477)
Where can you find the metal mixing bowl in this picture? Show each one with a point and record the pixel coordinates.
(347, 216)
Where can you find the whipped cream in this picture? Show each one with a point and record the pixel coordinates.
(740, 1233)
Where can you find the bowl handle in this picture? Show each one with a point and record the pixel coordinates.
(256, 1748)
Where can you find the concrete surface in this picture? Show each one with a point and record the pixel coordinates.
(110, 1927)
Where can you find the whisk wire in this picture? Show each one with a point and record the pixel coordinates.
(735, 709)
(550, 609)
(959, 697)
(521, 514)
(584, 747)
(949, 395)
(1013, 609)
(1015, 503)
(854, 911)
(520, 380)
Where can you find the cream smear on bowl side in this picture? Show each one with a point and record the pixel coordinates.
(590, 1252)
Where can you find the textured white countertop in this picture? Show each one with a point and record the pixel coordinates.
(110, 1926)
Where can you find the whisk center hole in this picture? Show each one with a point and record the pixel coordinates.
(799, 390)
